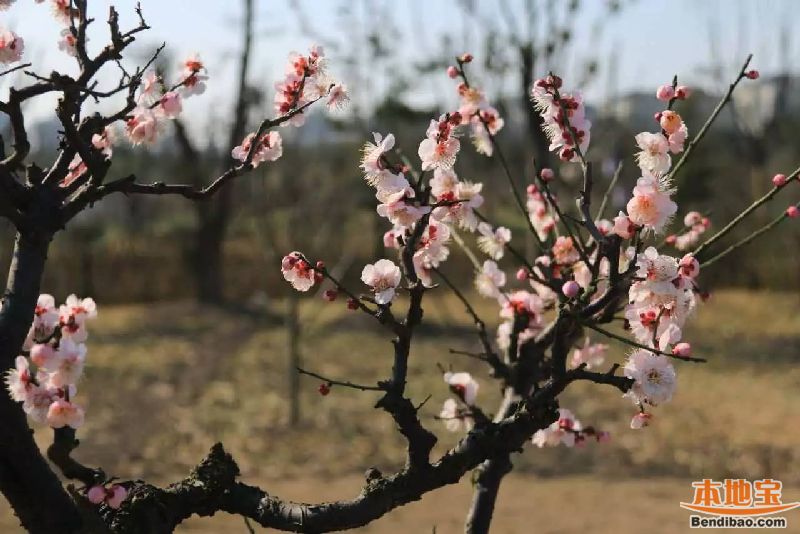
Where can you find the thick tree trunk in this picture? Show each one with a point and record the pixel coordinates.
(489, 476)
(26, 480)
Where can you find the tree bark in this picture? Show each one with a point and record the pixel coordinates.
(489, 476)
(26, 480)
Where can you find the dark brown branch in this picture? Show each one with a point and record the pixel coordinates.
(340, 382)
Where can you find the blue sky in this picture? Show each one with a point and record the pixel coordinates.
(650, 39)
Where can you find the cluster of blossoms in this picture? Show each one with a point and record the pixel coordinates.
(695, 225)
(541, 216)
(306, 81)
(45, 381)
(567, 430)
(564, 118)
(484, 121)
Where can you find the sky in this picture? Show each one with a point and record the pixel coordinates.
(647, 41)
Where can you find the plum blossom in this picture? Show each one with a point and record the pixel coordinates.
(490, 279)
(372, 159)
(466, 198)
(76, 168)
(142, 126)
(269, 149)
(431, 250)
(493, 242)
(170, 104)
(641, 420)
(63, 12)
(623, 226)
(562, 431)
(439, 149)
(540, 216)
(112, 496)
(556, 125)
(564, 251)
(591, 354)
(19, 380)
(68, 42)
(383, 277)
(402, 213)
(653, 375)
(650, 206)
(72, 317)
(298, 272)
(67, 366)
(337, 97)
(104, 141)
(11, 46)
(392, 187)
(193, 81)
(463, 385)
(5, 4)
(63, 413)
(653, 158)
(454, 416)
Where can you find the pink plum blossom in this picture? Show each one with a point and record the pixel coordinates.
(650, 206)
(11, 46)
(270, 148)
(63, 413)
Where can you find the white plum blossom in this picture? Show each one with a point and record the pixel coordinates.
(19, 379)
(68, 42)
(555, 122)
(653, 375)
(392, 187)
(383, 277)
(493, 242)
(464, 200)
(591, 354)
(490, 280)
(653, 157)
(337, 97)
(373, 154)
(298, 272)
(444, 181)
(439, 149)
(454, 416)
(72, 316)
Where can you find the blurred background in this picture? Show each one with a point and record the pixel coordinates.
(198, 334)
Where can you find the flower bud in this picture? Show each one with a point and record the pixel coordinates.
(682, 92)
(452, 71)
(665, 93)
(753, 74)
(352, 304)
(684, 350)
(96, 494)
(324, 389)
(641, 420)
(522, 274)
(792, 212)
(466, 58)
(547, 174)
(778, 180)
(330, 295)
(570, 289)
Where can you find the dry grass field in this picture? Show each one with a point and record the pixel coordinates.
(166, 381)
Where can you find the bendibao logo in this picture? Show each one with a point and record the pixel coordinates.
(738, 503)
